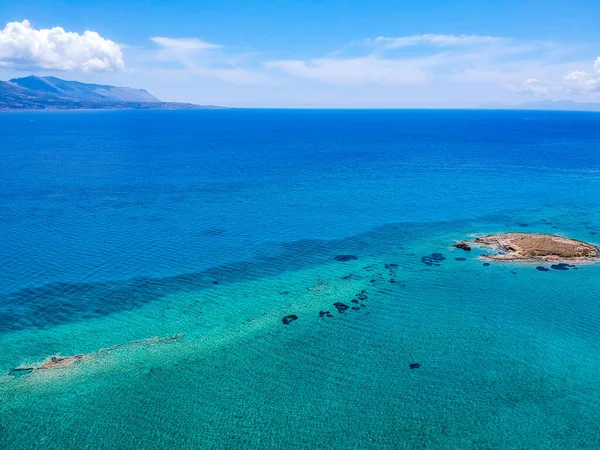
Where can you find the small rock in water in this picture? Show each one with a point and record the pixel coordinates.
(522, 224)
(560, 266)
(415, 366)
(289, 319)
(542, 269)
(354, 300)
(355, 308)
(345, 257)
(391, 266)
(486, 264)
(215, 282)
(393, 281)
(463, 245)
(460, 259)
(18, 373)
(341, 307)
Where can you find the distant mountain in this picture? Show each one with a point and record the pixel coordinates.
(547, 105)
(53, 93)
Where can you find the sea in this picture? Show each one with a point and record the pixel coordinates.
(285, 279)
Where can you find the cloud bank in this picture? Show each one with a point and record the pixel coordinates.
(190, 44)
(580, 80)
(438, 40)
(576, 81)
(22, 47)
(355, 71)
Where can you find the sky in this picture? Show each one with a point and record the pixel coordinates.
(314, 54)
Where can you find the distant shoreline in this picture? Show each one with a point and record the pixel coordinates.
(166, 106)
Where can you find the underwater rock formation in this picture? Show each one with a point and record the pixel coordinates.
(345, 257)
(289, 319)
(59, 362)
(56, 362)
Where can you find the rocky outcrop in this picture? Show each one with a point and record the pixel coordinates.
(56, 362)
(537, 247)
(463, 246)
(60, 362)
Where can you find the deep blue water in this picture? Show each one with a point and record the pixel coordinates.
(119, 226)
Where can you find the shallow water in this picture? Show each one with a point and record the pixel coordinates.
(121, 226)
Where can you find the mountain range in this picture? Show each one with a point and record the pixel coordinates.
(35, 92)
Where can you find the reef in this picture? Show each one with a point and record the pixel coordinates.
(57, 362)
(60, 362)
(529, 247)
(433, 260)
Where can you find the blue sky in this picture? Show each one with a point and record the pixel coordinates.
(351, 53)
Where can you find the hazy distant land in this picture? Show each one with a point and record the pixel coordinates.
(546, 105)
(54, 93)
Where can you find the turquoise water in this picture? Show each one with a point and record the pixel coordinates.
(206, 228)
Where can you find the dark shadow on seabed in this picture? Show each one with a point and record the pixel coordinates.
(58, 303)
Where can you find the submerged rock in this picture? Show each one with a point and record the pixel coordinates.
(345, 257)
(289, 319)
(415, 366)
(56, 362)
(433, 260)
(20, 371)
(542, 269)
(341, 307)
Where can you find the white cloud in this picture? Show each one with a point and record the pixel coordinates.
(537, 87)
(24, 47)
(186, 45)
(355, 71)
(580, 80)
(438, 40)
(575, 82)
(450, 58)
(190, 58)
